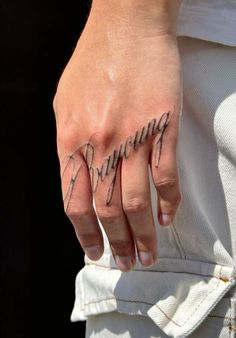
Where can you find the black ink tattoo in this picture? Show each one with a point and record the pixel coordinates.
(74, 176)
(112, 161)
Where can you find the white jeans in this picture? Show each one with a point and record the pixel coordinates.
(114, 325)
(190, 291)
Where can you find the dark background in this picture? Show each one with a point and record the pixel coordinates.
(39, 253)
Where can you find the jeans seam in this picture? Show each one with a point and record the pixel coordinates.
(158, 307)
(164, 271)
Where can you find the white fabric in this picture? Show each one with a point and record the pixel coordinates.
(211, 20)
(197, 254)
(219, 324)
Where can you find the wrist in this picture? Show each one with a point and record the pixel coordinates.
(154, 16)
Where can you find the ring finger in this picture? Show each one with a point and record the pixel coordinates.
(137, 204)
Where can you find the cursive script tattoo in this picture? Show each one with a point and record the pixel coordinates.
(75, 172)
(111, 163)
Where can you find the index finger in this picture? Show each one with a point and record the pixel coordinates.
(78, 204)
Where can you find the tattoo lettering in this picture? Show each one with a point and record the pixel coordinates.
(75, 172)
(112, 161)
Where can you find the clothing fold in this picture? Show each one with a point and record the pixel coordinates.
(177, 300)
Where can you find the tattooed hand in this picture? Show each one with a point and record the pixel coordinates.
(117, 113)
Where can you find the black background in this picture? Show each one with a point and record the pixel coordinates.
(39, 253)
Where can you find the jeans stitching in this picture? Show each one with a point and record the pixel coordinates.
(158, 307)
(165, 271)
(217, 285)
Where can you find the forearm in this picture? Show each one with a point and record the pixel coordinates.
(137, 14)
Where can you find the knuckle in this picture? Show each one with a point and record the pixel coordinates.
(108, 215)
(102, 137)
(120, 246)
(78, 214)
(66, 138)
(135, 204)
(88, 238)
(166, 183)
(146, 240)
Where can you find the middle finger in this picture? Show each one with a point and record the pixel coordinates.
(107, 194)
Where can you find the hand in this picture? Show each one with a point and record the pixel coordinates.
(117, 111)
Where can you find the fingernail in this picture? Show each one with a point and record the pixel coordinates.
(165, 219)
(93, 252)
(124, 263)
(146, 258)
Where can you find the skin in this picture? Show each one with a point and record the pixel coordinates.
(117, 110)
